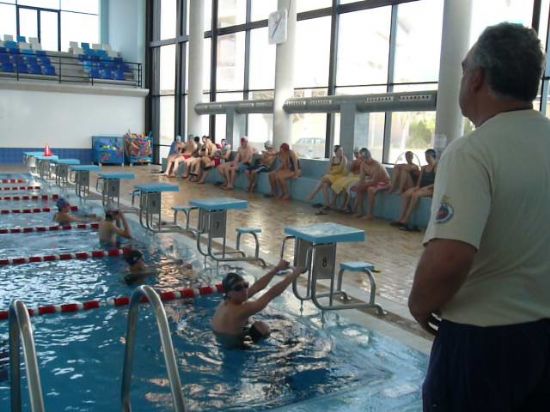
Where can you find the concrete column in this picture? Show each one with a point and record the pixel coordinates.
(195, 125)
(347, 127)
(235, 125)
(454, 46)
(284, 77)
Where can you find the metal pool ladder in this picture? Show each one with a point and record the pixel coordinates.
(21, 329)
(149, 293)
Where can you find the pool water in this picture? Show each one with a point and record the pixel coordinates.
(81, 358)
(305, 365)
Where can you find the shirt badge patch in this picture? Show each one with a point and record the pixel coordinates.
(444, 213)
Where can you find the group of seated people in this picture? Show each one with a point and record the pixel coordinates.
(199, 156)
(366, 176)
(345, 183)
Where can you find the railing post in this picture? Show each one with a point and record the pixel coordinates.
(20, 327)
(59, 68)
(166, 343)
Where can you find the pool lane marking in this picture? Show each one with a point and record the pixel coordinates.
(20, 188)
(30, 197)
(186, 293)
(14, 181)
(33, 210)
(95, 254)
(53, 228)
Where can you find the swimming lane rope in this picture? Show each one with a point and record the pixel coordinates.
(95, 254)
(53, 228)
(33, 210)
(14, 181)
(20, 188)
(187, 293)
(30, 197)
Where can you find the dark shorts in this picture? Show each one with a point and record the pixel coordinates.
(258, 168)
(497, 368)
(252, 333)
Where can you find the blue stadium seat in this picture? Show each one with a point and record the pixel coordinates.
(35, 69)
(4, 57)
(49, 70)
(22, 68)
(85, 46)
(44, 60)
(27, 51)
(40, 53)
(119, 75)
(2, 49)
(32, 60)
(10, 45)
(21, 39)
(7, 67)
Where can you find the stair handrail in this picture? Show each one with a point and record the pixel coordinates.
(20, 328)
(166, 342)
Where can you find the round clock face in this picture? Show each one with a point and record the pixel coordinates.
(277, 23)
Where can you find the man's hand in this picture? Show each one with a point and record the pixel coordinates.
(429, 323)
(282, 265)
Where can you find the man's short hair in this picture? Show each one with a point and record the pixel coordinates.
(431, 152)
(61, 204)
(133, 256)
(230, 280)
(512, 58)
(365, 153)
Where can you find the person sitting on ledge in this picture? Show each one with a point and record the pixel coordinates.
(344, 184)
(404, 175)
(242, 162)
(373, 178)
(424, 188)
(231, 321)
(220, 157)
(188, 148)
(337, 170)
(264, 164)
(289, 168)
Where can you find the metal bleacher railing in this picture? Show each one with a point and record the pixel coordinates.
(91, 67)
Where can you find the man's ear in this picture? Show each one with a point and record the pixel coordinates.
(478, 78)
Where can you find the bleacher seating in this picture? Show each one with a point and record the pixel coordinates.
(100, 62)
(96, 63)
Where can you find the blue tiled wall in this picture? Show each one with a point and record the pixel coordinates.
(14, 155)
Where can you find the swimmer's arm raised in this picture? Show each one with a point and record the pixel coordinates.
(251, 308)
(262, 283)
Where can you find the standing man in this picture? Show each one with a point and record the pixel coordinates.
(486, 267)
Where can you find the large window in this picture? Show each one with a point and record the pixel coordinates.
(418, 44)
(230, 69)
(78, 27)
(412, 131)
(262, 61)
(54, 23)
(312, 62)
(373, 47)
(363, 47)
(231, 12)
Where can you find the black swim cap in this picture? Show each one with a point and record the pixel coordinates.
(133, 256)
(230, 280)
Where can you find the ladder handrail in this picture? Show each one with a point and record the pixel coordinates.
(20, 327)
(166, 342)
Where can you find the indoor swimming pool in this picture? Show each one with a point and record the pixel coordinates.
(305, 365)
